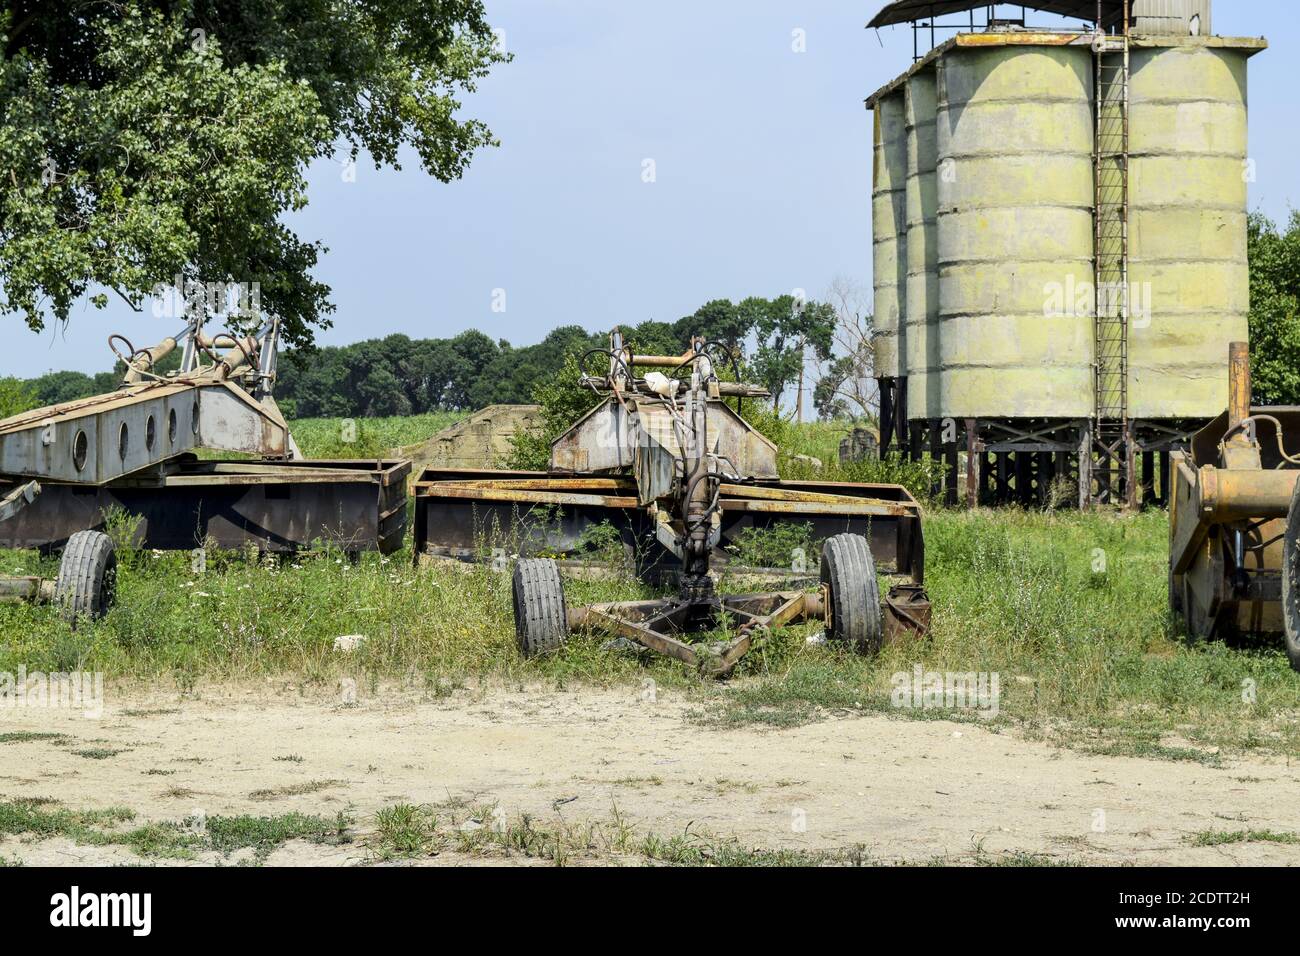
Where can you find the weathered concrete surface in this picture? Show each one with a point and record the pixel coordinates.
(1187, 227)
(480, 441)
(889, 218)
(1013, 336)
(921, 313)
(1015, 221)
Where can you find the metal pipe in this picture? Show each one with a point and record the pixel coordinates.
(26, 591)
(1237, 494)
(148, 359)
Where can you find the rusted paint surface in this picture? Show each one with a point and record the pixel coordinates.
(613, 437)
(98, 440)
(19, 498)
(980, 40)
(457, 513)
(654, 624)
(25, 590)
(353, 506)
(1230, 501)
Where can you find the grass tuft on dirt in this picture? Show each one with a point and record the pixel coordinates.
(34, 819)
(1225, 837)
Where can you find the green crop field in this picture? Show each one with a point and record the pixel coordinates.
(1068, 609)
(366, 437)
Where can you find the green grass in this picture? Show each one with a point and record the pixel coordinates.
(293, 790)
(35, 819)
(410, 832)
(29, 736)
(366, 437)
(1085, 656)
(406, 831)
(97, 753)
(1092, 659)
(1225, 837)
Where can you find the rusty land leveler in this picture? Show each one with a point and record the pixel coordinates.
(63, 467)
(1234, 557)
(679, 473)
(222, 403)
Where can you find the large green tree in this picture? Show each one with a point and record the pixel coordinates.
(1275, 310)
(144, 140)
(788, 333)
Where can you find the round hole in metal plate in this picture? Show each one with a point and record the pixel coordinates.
(171, 426)
(80, 449)
(123, 441)
(150, 433)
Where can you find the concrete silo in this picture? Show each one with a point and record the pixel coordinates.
(1073, 244)
(889, 233)
(921, 299)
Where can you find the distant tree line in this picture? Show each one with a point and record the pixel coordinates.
(399, 375)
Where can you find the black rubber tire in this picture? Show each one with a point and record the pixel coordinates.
(87, 583)
(849, 572)
(1291, 581)
(541, 616)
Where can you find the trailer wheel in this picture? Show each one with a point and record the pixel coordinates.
(849, 574)
(1291, 580)
(87, 583)
(541, 617)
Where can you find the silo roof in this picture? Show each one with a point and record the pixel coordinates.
(1250, 45)
(906, 11)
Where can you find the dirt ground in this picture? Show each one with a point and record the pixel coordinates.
(907, 791)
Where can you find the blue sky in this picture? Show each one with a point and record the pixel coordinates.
(762, 163)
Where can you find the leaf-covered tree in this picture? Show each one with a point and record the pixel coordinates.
(1275, 310)
(16, 397)
(146, 140)
(786, 331)
(717, 321)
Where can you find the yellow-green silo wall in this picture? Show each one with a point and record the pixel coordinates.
(1015, 232)
(1189, 282)
(921, 311)
(889, 226)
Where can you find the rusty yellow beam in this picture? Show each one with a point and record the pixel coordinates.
(475, 492)
(759, 493)
(850, 507)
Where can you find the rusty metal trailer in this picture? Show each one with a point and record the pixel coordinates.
(65, 468)
(1234, 553)
(275, 507)
(679, 474)
(458, 510)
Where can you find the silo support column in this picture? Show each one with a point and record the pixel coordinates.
(888, 410)
(938, 478)
(974, 457)
(1132, 497)
(1148, 478)
(951, 471)
(900, 418)
(1085, 465)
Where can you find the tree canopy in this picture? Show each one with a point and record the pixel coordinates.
(144, 141)
(1275, 310)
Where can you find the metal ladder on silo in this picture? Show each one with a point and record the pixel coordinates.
(1112, 478)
